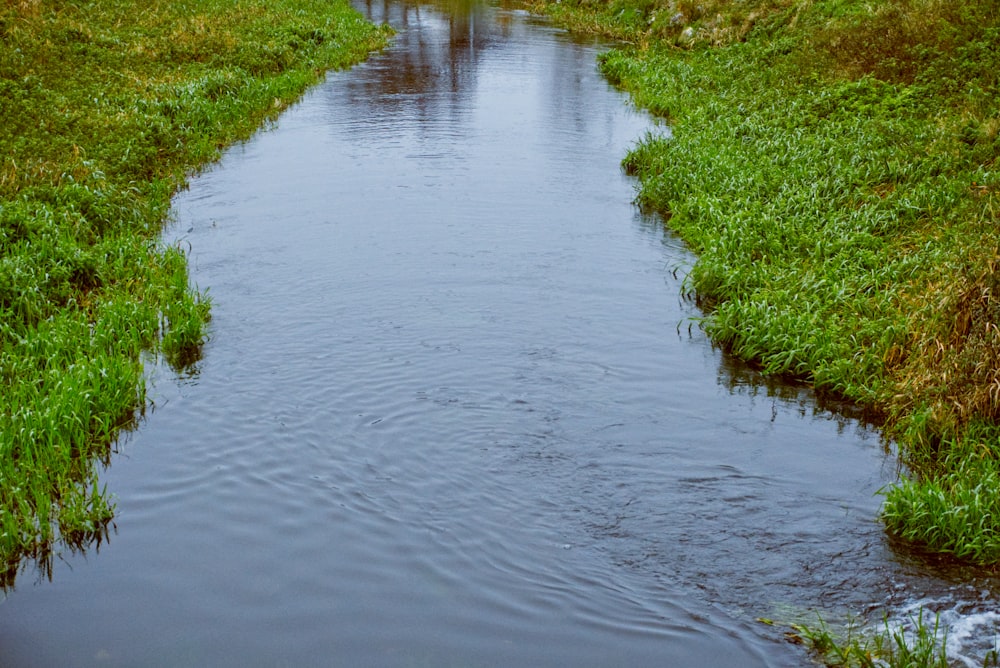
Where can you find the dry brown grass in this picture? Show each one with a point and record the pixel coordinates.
(720, 22)
(886, 40)
(25, 7)
(952, 374)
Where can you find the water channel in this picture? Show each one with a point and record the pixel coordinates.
(452, 412)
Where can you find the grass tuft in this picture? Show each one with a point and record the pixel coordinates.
(918, 644)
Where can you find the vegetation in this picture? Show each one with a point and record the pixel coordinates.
(915, 645)
(106, 110)
(834, 164)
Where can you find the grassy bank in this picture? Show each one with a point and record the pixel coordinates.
(834, 164)
(107, 107)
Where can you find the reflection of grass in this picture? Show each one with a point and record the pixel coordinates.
(107, 107)
(834, 163)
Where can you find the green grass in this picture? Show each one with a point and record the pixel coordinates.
(107, 110)
(955, 509)
(857, 646)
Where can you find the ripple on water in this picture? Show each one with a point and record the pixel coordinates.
(450, 412)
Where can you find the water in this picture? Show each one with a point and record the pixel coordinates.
(452, 411)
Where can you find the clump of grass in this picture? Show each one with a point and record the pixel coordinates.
(106, 112)
(890, 646)
(797, 267)
(955, 507)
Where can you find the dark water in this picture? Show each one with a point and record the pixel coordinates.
(452, 413)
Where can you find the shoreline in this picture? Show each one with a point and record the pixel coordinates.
(110, 111)
(839, 184)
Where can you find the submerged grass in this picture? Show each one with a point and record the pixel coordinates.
(106, 111)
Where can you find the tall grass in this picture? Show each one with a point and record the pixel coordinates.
(106, 110)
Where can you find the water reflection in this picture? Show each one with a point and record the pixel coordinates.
(433, 78)
(40, 566)
(432, 73)
(742, 378)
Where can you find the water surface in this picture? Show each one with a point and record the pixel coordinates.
(452, 411)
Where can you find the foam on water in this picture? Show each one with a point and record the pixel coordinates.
(968, 623)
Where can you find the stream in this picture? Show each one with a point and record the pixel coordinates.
(456, 411)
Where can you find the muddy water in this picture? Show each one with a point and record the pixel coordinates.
(453, 413)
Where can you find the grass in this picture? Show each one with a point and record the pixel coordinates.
(955, 509)
(107, 110)
(834, 164)
(917, 644)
